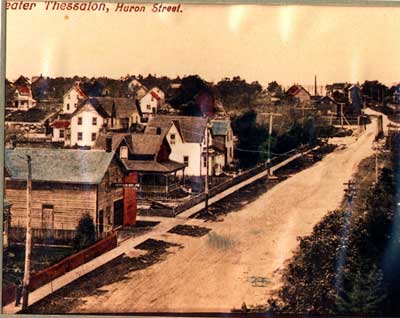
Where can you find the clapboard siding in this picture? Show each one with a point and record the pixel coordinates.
(69, 203)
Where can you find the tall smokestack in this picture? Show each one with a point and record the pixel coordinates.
(315, 86)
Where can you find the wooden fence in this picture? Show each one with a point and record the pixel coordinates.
(69, 263)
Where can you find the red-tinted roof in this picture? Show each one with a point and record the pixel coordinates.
(155, 95)
(24, 90)
(60, 124)
(80, 92)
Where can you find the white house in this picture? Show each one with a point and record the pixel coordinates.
(186, 136)
(22, 99)
(149, 105)
(72, 98)
(86, 122)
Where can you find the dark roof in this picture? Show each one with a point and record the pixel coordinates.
(152, 166)
(33, 115)
(191, 128)
(95, 104)
(320, 99)
(146, 144)
(116, 140)
(220, 127)
(124, 107)
(58, 165)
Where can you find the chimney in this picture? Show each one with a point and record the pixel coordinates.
(109, 143)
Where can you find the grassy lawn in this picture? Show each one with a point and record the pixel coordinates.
(42, 257)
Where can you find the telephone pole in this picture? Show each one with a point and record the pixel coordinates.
(207, 167)
(28, 242)
(271, 119)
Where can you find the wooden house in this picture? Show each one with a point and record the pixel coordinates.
(299, 93)
(66, 184)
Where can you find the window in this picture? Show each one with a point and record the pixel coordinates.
(148, 107)
(69, 96)
(67, 106)
(123, 152)
(205, 162)
(79, 120)
(80, 136)
(94, 136)
(61, 133)
(186, 160)
(94, 121)
(172, 139)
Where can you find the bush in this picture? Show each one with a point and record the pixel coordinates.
(85, 232)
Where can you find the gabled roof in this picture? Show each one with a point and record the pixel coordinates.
(319, 99)
(95, 104)
(117, 138)
(146, 144)
(78, 89)
(24, 90)
(123, 107)
(58, 165)
(296, 89)
(191, 128)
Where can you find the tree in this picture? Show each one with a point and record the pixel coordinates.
(85, 234)
(364, 292)
(251, 138)
(274, 87)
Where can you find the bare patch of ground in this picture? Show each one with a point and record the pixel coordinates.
(189, 230)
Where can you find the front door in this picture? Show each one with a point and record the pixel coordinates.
(119, 212)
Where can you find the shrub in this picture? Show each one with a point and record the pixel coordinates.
(85, 232)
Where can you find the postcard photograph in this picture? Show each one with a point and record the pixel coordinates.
(186, 158)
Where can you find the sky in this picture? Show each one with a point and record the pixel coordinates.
(289, 44)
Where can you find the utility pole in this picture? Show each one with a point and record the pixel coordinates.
(207, 166)
(28, 241)
(271, 118)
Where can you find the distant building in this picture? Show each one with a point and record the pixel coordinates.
(22, 98)
(72, 98)
(299, 92)
(222, 141)
(149, 105)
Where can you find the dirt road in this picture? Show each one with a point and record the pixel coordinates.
(204, 276)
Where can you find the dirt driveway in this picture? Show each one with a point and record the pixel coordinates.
(239, 260)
